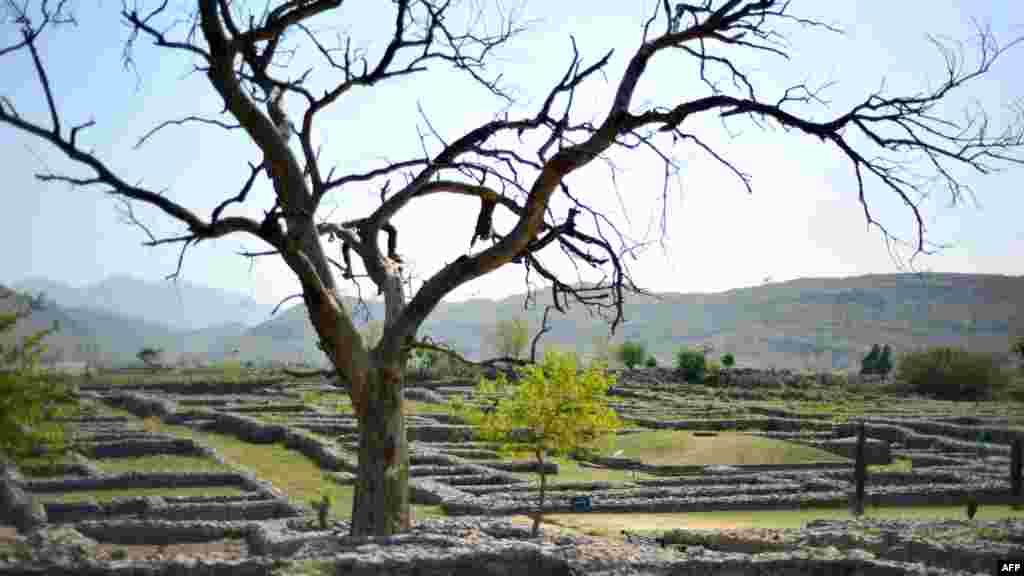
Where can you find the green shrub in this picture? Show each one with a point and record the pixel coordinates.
(632, 353)
(949, 373)
(712, 372)
(651, 362)
(728, 360)
(692, 364)
(30, 402)
(877, 361)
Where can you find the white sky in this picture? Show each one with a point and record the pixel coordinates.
(801, 221)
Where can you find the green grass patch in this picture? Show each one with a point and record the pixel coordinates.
(613, 523)
(108, 495)
(680, 448)
(897, 465)
(571, 471)
(289, 471)
(160, 463)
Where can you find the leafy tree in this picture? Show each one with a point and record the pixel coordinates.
(632, 353)
(517, 162)
(884, 364)
(950, 373)
(151, 357)
(651, 362)
(728, 360)
(1018, 347)
(554, 409)
(692, 364)
(869, 364)
(29, 401)
(510, 337)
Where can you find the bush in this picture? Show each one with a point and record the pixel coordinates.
(952, 373)
(30, 402)
(728, 360)
(692, 364)
(632, 353)
(651, 362)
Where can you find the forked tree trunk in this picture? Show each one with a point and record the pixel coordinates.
(380, 506)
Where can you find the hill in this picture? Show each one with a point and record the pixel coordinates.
(182, 306)
(819, 324)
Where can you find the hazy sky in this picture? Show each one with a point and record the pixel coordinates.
(802, 219)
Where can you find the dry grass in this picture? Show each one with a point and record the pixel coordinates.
(159, 463)
(591, 522)
(679, 448)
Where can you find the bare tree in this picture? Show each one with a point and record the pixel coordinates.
(243, 57)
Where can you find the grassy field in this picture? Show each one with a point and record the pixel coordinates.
(613, 523)
(159, 463)
(108, 495)
(678, 447)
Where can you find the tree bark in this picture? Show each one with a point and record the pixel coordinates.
(380, 506)
(543, 488)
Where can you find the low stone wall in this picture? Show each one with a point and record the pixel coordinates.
(162, 532)
(914, 495)
(139, 480)
(766, 424)
(157, 508)
(875, 451)
(231, 511)
(970, 433)
(143, 447)
(667, 470)
(259, 566)
(16, 506)
(524, 466)
(142, 405)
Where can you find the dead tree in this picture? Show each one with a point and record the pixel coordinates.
(240, 52)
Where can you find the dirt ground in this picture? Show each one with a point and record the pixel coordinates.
(219, 550)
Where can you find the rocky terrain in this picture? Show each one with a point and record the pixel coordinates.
(220, 518)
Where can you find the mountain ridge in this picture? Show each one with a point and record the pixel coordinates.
(805, 323)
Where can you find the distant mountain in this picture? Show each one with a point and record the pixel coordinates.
(818, 324)
(184, 306)
(821, 324)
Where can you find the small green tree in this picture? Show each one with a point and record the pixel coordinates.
(151, 357)
(1018, 347)
(553, 409)
(632, 353)
(884, 364)
(728, 360)
(870, 362)
(509, 337)
(29, 401)
(651, 362)
(692, 364)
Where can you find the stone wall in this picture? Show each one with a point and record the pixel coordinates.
(16, 506)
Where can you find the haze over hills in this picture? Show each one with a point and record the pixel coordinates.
(181, 306)
(816, 324)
